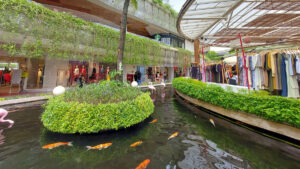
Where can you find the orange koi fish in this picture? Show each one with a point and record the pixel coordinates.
(173, 135)
(144, 164)
(99, 147)
(54, 145)
(153, 121)
(212, 122)
(136, 144)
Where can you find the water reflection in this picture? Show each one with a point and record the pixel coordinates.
(2, 137)
(205, 154)
(78, 154)
(242, 148)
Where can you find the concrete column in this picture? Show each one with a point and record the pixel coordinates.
(32, 68)
(52, 68)
(170, 74)
(50, 74)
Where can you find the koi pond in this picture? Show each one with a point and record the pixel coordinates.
(199, 145)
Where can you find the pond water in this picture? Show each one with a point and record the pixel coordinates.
(199, 144)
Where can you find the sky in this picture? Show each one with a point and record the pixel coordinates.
(176, 4)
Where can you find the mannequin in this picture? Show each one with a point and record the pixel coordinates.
(24, 79)
(39, 78)
(76, 72)
(107, 74)
(83, 72)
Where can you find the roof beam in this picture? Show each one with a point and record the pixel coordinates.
(213, 1)
(228, 12)
(204, 18)
(221, 7)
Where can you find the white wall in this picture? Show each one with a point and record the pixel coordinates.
(189, 45)
(52, 67)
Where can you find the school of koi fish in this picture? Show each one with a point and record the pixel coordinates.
(142, 165)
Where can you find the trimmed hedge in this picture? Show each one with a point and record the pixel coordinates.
(275, 108)
(75, 117)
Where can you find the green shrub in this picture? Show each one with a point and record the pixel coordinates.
(104, 92)
(73, 113)
(275, 108)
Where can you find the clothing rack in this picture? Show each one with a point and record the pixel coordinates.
(277, 68)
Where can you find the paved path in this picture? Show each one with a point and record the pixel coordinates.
(43, 98)
(22, 100)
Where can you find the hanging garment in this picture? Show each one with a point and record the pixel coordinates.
(284, 92)
(294, 64)
(269, 71)
(293, 88)
(278, 62)
(275, 72)
(290, 65)
(297, 64)
(198, 73)
(273, 64)
(265, 80)
(215, 73)
(252, 61)
(248, 71)
(194, 72)
(207, 74)
(298, 79)
(256, 65)
(242, 72)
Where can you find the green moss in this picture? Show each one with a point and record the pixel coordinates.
(275, 108)
(65, 115)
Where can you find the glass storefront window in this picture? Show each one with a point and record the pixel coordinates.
(9, 65)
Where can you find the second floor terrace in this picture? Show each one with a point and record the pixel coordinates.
(147, 19)
(31, 30)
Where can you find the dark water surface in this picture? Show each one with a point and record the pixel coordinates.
(199, 145)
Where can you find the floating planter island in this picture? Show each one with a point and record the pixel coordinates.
(276, 114)
(97, 107)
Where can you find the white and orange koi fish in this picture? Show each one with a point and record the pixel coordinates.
(212, 122)
(99, 147)
(173, 135)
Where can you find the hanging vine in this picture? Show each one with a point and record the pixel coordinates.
(31, 30)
